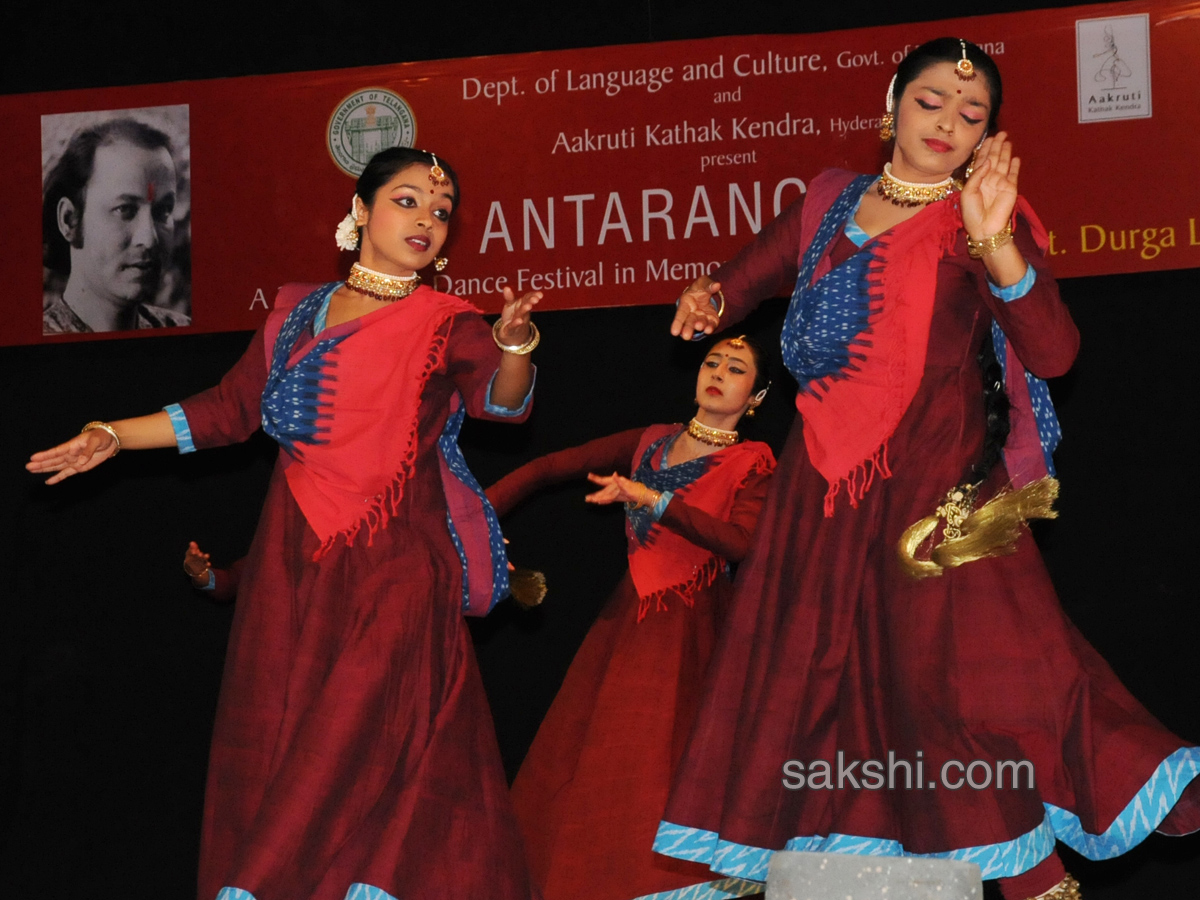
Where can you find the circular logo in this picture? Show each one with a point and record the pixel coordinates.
(366, 122)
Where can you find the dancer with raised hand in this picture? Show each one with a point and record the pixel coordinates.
(353, 753)
(893, 616)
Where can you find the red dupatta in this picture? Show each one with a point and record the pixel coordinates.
(661, 561)
(343, 404)
(856, 336)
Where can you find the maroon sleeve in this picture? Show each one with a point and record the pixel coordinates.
(602, 455)
(766, 267)
(472, 359)
(729, 539)
(225, 582)
(231, 411)
(1038, 325)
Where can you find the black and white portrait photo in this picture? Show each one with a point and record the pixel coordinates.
(116, 220)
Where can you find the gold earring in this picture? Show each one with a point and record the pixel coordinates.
(887, 127)
(440, 263)
(974, 156)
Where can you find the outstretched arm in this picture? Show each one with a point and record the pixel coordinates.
(606, 453)
(89, 448)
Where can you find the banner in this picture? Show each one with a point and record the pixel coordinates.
(606, 176)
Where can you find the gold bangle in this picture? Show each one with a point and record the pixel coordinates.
(201, 574)
(104, 426)
(978, 249)
(721, 309)
(517, 349)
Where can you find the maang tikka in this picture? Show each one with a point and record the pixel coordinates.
(964, 68)
(437, 175)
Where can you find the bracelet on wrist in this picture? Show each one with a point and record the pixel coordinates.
(978, 249)
(201, 574)
(719, 295)
(104, 426)
(517, 349)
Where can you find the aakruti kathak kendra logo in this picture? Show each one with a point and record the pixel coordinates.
(1113, 67)
(366, 122)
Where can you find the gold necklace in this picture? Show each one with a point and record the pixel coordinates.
(908, 193)
(714, 437)
(380, 286)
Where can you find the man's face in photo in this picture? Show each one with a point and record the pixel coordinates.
(127, 222)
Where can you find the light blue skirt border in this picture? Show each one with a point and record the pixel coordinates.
(356, 892)
(1137, 820)
(725, 889)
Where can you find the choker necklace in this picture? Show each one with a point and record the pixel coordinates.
(908, 193)
(380, 286)
(714, 437)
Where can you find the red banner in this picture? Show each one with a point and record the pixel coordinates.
(605, 176)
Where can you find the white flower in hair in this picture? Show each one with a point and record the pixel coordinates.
(347, 230)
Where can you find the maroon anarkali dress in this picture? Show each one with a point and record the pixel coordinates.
(593, 786)
(833, 656)
(353, 754)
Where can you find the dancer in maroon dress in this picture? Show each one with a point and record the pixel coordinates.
(834, 654)
(353, 754)
(594, 784)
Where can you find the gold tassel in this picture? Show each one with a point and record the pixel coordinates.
(528, 587)
(991, 530)
(914, 536)
(1067, 889)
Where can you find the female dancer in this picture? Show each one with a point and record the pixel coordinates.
(835, 655)
(592, 788)
(353, 752)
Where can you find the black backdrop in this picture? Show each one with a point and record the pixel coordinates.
(109, 663)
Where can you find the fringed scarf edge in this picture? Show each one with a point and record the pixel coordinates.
(383, 508)
(713, 565)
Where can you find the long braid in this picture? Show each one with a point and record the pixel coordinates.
(996, 406)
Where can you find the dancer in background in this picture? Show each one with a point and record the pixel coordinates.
(593, 786)
(353, 753)
(872, 620)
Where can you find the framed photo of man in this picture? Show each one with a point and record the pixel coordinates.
(116, 220)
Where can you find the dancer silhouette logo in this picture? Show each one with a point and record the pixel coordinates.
(1113, 67)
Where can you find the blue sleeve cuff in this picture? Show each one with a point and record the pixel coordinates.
(657, 510)
(183, 431)
(212, 581)
(1015, 291)
(503, 411)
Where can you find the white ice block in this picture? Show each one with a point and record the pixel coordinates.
(843, 876)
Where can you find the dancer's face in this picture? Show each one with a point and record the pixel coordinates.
(406, 225)
(725, 385)
(939, 121)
